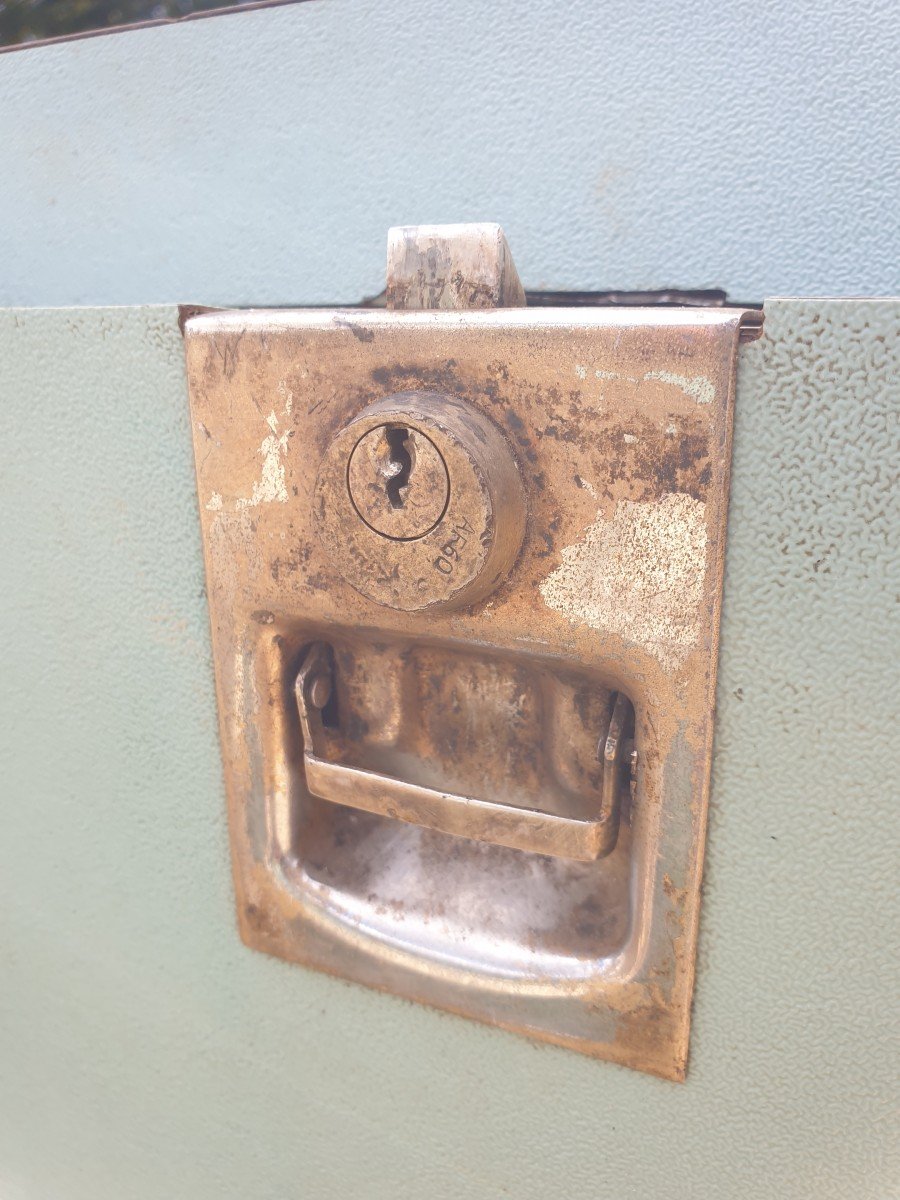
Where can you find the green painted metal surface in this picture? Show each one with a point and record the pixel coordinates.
(146, 1053)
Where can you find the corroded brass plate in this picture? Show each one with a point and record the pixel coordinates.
(451, 800)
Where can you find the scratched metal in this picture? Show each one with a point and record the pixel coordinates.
(619, 421)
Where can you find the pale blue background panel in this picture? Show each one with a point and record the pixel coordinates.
(259, 158)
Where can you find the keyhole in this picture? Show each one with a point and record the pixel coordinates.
(384, 465)
(399, 465)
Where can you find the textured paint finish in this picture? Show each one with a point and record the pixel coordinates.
(146, 1053)
(259, 158)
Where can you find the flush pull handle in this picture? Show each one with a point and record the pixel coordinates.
(448, 812)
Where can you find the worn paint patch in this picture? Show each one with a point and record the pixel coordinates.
(287, 396)
(270, 486)
(696, 387)
(640, 575)
(215, 502)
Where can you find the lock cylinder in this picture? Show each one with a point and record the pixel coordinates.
(420, 503)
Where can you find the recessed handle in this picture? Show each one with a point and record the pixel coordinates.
(449, 812)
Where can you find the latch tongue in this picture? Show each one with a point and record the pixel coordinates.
(451, 267)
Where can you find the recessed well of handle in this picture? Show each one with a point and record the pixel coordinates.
(483, 820)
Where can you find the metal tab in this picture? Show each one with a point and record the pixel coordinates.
(451, 267)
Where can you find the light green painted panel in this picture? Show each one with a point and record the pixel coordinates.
(147, 1054)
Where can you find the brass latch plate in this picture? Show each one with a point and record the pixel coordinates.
(436, 816)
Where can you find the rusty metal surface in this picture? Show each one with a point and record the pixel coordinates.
(451, 532)
(618, 421)
(579, 822)
(451, 267)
